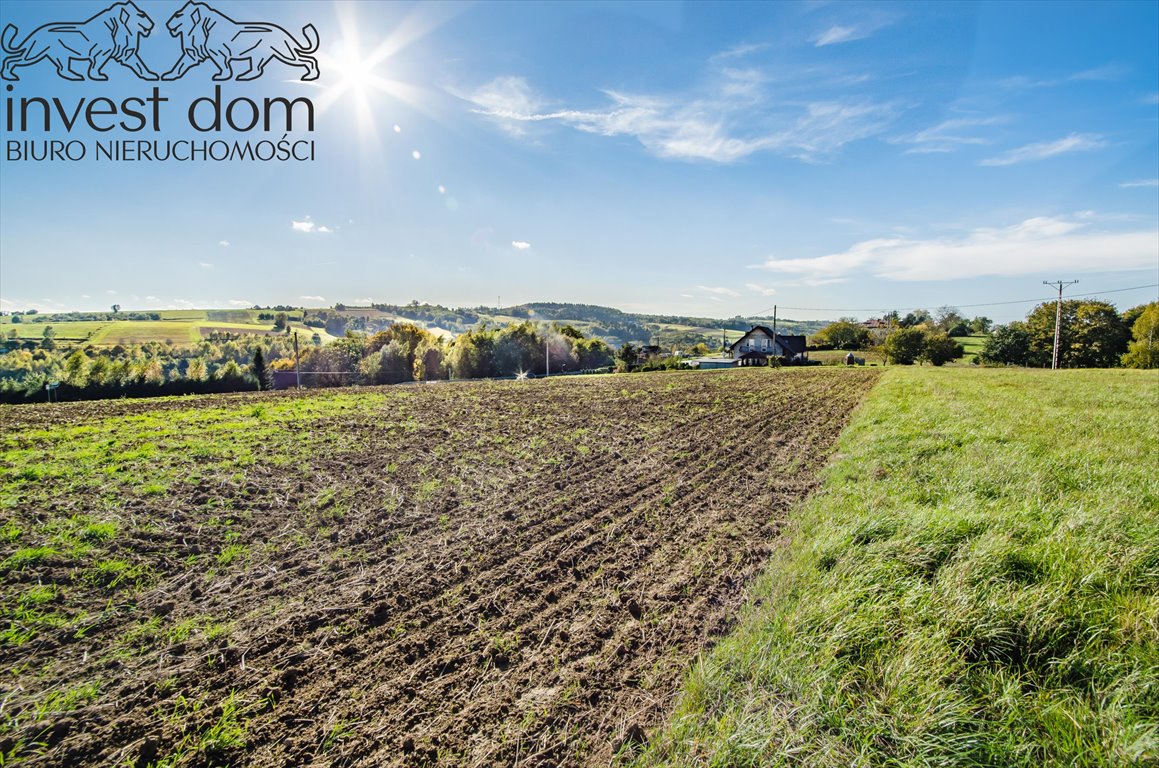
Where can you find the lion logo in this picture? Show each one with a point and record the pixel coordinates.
(208, 34)
(111, 35)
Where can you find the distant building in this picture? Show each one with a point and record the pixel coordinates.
(760, 343)
(874, 323)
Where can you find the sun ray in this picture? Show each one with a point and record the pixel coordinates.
(352, 75)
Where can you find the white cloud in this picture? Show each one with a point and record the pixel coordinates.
(505, 97)
(1140, 183)
(85, 296)
(762, 290)
(738, 51)
(205, 265)
(718, 291)
(1106, 72)
(1035, 246)
(948, 135)
(870, 21)
(837, 34)
(1076, 142)
(312, 298)
(308, 226)
(240, 303)
(223, 243)
(111, 292)
(364, 301)
(1150, 99)
(727, 121)
(522, 245)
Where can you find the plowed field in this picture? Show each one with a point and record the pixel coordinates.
(509, 573)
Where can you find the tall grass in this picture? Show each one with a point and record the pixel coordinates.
(977, 584)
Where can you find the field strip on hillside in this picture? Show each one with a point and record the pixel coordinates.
(469, 574)
(976, 583)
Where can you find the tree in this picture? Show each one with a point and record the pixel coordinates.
(1131, 315)
(981, 325)
(1143, 351)
(519, 349)
(196, 370)
(1100, 336)
(950, 320)
(904, 345)
(917, 317)
(428, 365)
(76, 369)
(628, 356)
(569, 330)
(1092, 334)
(98, 372)
(394, 365)
(1007, 345)
(17, 318)
(844, 334)
(116, 308)
(258, 368)
(49, 332)
(281, 320)
(231, 371)
(939, 348)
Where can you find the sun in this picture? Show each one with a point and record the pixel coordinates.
(355, 72)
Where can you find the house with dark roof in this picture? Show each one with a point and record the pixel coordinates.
(760, 344)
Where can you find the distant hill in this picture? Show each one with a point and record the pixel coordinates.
(189, 326)
(611, 324)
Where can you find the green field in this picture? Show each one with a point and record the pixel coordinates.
(976, 585)
(837, 356)
(971, 344)
(175, 326)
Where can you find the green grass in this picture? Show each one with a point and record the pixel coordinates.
(971, 344)
(143, 331)
(177, 326)
(69, 331)
(837, 356)
(977, 584)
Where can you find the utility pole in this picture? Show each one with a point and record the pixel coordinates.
(297, 368)
(1057, 317)
(775, 331)
(547, 356)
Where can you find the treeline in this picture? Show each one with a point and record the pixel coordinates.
(1093, 334)
(403, 352)
(32, 316)
(145, 370)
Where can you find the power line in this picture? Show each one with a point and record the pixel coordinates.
(959, 306)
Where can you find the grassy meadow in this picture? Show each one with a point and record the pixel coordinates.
(180, 327)
(977, 584)
(971, 345)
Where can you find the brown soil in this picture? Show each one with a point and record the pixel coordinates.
(513, 573)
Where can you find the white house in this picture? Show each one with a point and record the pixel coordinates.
(760, 343)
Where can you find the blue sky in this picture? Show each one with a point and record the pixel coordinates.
(688, 158)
